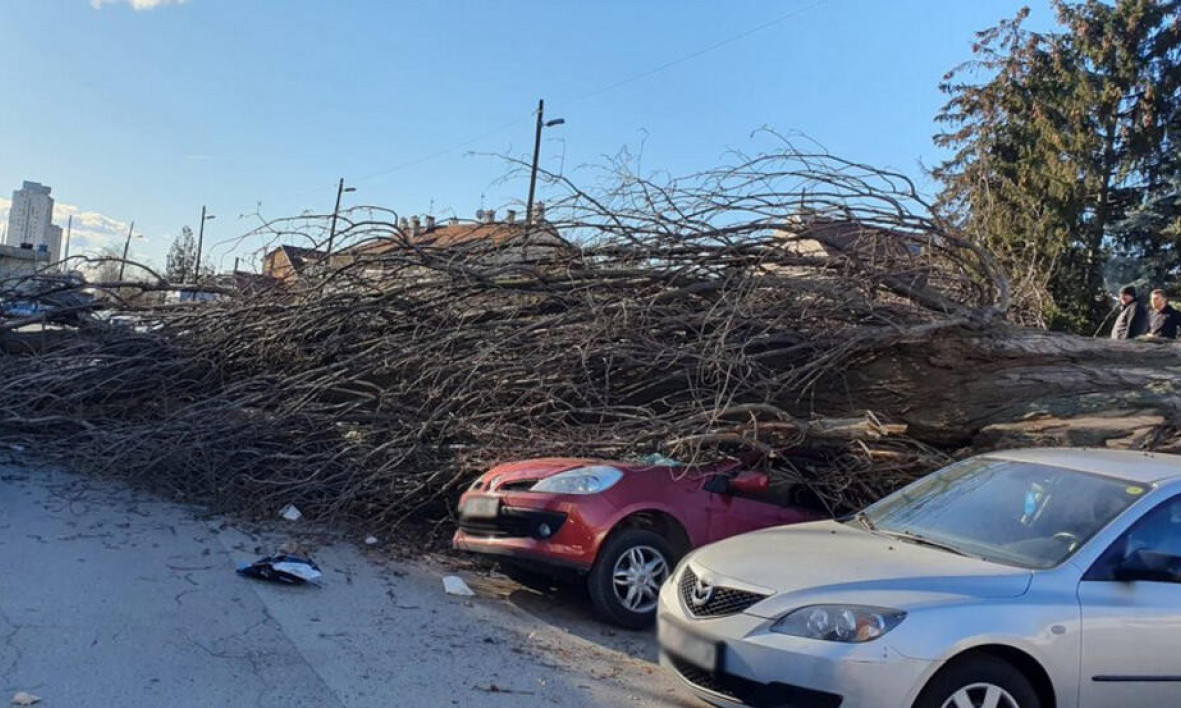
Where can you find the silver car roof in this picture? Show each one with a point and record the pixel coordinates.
(1132, 465)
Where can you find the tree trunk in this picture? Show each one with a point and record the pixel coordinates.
(1020, 388)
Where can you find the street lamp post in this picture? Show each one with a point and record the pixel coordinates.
(200, 243)
(69, 232)
(340, 190)
(541, 123)
(126, 247)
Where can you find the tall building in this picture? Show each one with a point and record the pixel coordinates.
(30, 220)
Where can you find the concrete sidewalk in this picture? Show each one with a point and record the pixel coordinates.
(112, 598)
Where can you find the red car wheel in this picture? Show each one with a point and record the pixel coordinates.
(625, 581)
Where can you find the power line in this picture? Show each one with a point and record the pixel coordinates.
(705, 50)
(597, 92)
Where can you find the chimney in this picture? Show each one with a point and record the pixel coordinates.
(489, 216)
(414, 225)
(403, 224)
(510, 216)
(430, 224)
(453, 221)
(538, 215)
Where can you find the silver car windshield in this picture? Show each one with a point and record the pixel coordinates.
(1016, 513)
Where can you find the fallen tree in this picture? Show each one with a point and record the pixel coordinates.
(765, 305)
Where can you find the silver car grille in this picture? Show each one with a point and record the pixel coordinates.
(701, 678)
(717, 601)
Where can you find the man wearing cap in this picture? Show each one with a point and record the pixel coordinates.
(1132, 321)
(1163, 321)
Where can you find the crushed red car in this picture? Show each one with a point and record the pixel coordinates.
(620, 527)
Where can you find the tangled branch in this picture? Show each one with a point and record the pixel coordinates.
(694, 317)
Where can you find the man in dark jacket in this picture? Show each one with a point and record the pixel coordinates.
(1132, 321)
(1163, 321)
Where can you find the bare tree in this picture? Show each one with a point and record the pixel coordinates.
(758, 308)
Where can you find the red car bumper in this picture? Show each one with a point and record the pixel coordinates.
(555, 531)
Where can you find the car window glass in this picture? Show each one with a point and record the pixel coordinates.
(1007, 511)
(1157, 534)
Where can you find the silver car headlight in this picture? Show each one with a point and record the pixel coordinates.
(839, 623)
(583, 480)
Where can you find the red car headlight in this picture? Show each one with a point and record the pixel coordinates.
(583, 480)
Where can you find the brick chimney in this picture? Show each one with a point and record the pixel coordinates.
(430, 224)
(510, 216)
(538, 215)
(415, 225)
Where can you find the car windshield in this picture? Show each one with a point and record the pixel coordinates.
(1016, 513)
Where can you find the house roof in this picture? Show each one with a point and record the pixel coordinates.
(300, 256)
(452, 235)
(836, 236)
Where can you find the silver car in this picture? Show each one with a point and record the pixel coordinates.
(1026, 579)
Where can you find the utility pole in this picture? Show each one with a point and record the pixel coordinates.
(200, 243)
(533, 171)
(541, 123)
(126, 246)
(340, 190)
(69, 230)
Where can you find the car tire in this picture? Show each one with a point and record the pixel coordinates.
(976, 676)
(621, 552)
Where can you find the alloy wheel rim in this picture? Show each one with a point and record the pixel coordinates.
(637, 577)
(981, 695)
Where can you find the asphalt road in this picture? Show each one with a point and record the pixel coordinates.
(109, 597)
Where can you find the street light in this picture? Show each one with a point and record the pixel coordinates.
(340, 190)
(126, 246)
(541, 123)
(200, 242)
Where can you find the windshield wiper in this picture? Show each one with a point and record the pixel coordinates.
(863, 518)
(924, 541)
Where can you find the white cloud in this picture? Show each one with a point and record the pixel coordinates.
(91, 230)
(136, 5)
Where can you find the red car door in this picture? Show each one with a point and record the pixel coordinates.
(731, 514)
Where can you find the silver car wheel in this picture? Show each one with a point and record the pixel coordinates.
(637, 577)
(981, 695)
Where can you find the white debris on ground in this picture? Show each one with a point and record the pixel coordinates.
(454, 585)
(25, 699)
(291, 513)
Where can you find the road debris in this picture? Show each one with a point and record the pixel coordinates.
(25, 699)
(454, 585)
(282, 568)
(291, 513)
(293, 548)
(493, 688)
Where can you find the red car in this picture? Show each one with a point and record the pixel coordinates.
(620, 527)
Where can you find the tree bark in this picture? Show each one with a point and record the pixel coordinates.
(1020, 387)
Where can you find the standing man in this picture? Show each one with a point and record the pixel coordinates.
(1132, 320)
(1163, 321)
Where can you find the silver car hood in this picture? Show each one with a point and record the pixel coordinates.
(828, 561)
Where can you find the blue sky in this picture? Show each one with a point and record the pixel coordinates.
(147, 109)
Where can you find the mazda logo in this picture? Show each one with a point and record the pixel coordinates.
(702, 593)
